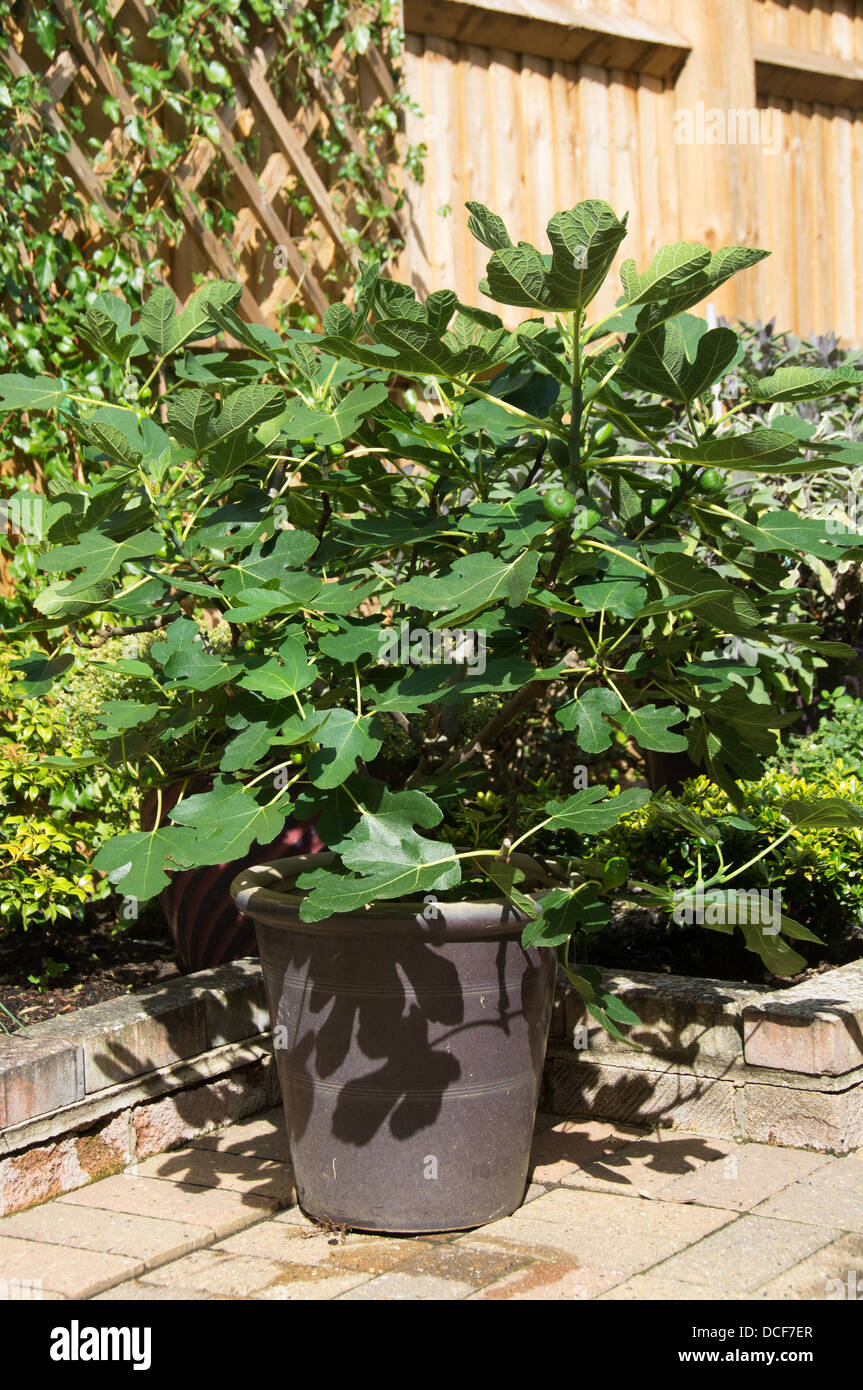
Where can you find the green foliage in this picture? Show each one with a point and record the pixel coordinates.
(836, 746)
(296, 496)
(819, 871)
(57, 808)
(63, 261)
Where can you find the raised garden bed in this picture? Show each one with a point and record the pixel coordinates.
(100, 962)
(86, 1094)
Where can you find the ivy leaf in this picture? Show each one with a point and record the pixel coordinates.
(592, 809)
(649, 726)
(585, 716)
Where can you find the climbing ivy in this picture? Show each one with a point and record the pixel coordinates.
(51, 262)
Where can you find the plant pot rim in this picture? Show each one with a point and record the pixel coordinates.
(265, 892)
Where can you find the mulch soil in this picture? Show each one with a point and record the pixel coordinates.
(101, 963)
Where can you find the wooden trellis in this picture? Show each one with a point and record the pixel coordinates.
(276, 252)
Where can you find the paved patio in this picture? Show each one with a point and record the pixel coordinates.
(612, 1212)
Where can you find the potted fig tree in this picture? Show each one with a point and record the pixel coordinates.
(398, 584)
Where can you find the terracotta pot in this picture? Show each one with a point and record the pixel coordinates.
(409, 1051)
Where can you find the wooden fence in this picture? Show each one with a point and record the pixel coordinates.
(709, 120)
(279, 252)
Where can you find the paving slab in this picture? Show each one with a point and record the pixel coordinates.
(666, 1216)
(744, 1255)
(220, 1213)
(148, 1238)
(400, 1287)
(831, 1196)
(745, 1177)
(290, 1245)
(72, 1272)
(261, 1136)
(569, 1145)
(546, 1280)
(652, 1288)
(216, 1272)
(647, 1166)
(320, 1285)
(835, 1273)
(133, 1291)
(226, 1170)
(612, 1235)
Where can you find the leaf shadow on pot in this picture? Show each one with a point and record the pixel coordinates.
(384, 1037)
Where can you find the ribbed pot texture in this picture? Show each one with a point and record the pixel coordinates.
(409, 1052)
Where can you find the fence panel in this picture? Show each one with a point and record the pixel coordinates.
(717, 121)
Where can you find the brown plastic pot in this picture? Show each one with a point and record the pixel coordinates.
(409, 1051)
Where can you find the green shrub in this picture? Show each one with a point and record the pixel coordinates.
(819, 872)
(834, 749)
(54, 818)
